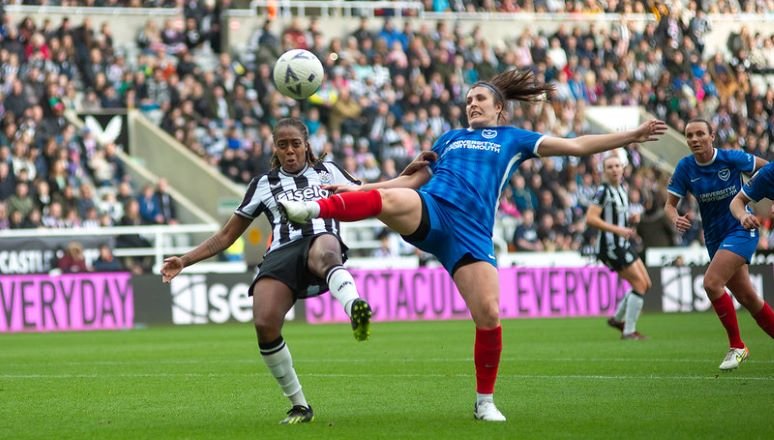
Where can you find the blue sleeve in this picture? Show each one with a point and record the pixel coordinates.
(677, 184)
(526, 142)
(761, 185)
(745, 162)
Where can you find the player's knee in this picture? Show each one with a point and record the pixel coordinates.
(392, 201)
(266, 328)
(488, 315)
(712, 285)
(329, 258)
(388, 198)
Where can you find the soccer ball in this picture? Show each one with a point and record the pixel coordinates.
(298, 74)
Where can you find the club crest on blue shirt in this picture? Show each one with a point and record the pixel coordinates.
(724, 174)
(325, 177)
(488, 133)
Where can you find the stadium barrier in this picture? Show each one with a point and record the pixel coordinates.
(107, 301)
(34, 251)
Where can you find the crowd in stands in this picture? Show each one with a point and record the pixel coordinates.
(389, 92)
(592, 6)
(52, 174)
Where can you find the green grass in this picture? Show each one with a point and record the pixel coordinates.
(570, 378)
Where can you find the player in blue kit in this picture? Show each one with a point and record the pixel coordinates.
(761, 186)
(448, 208)
(714, 177)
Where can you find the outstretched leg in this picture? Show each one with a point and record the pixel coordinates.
(398, 208)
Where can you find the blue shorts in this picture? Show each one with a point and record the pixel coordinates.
(740, 242)
(452, 235)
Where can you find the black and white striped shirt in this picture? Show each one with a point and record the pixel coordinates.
(614, 201)
(263, 193)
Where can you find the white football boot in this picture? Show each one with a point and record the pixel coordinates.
(299, 212)
(734, 358)
(487, 411)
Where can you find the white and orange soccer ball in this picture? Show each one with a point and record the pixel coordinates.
(298, 74)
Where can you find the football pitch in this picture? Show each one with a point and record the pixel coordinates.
(559, 378)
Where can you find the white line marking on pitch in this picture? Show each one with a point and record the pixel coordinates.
(256, 360)
(325, 375)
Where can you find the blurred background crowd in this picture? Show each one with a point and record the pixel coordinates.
(390, 91)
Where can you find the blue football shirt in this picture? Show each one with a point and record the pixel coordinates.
(761, 186)
(474, 165)
(714, 184)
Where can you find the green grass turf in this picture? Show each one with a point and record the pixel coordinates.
(560, 378)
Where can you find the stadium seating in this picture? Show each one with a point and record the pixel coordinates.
(406, 80)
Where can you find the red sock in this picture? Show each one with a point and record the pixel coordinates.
(765, 319)
(351, 206)
(724, 308)
(486, 356)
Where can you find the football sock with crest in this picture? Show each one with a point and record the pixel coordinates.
(351, 206)
(724, 308)
(486, 357)
(276, 356)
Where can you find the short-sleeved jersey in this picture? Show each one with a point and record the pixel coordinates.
(474, 165)
(714, 184)
(265, 191)
(761, 186)
(614, 201)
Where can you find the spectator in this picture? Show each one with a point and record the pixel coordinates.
(4, 220)
(73, 259)
(525, 237)
(86, 200)
(54, 217)
(149, 209)
(165, 203)
(7, 181)
(107, 262)
(21, 201)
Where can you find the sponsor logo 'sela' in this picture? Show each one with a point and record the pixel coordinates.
(197, 301)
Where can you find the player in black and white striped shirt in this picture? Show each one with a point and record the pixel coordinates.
(302, 261)
(609, 212)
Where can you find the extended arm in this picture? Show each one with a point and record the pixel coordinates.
(217, 243)
(596, 143)
(414, 180)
